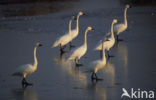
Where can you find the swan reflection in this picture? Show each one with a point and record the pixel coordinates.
(98, 90)
(109, 73)
(25, 94)
(122, 53)
(69, 67)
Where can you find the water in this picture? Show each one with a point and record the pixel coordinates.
(132, 67)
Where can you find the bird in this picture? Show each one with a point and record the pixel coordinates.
(97, 64)
(108, 44)
(78, 52)
(119, 28)
(75, 32)
(65, 39)
(27, 69)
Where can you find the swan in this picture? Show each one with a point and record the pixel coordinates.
(75, 32)
(98, 64)
(65, 39)
(78, 52)
(27, 69)
(110, 41)
(119, 28)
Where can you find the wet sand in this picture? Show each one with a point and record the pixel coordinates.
(132, 67)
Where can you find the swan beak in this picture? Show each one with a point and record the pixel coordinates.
(93, 29)
(40, 45)
(130, 6)
(75, 18)
(84, 14)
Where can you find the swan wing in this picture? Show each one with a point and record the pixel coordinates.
(74, 33)
(76, 53)
(106, 42)
(20, 71)
(94, 65)
(66, 38)
(118, 28)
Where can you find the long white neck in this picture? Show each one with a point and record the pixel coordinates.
(70, 27)
(35, 58)
(125, 16)
(103, 52)
(85, 38)
(77, 23)
(112, 30)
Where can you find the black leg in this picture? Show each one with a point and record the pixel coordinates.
(62, 51)
(117, 39)
(101, 53)
(95, 76)
(92, 76)
(78, 64)
(25, 83)
(71, 46)
(109, 55)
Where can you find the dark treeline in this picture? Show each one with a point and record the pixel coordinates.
(30, 1)
(139, 2)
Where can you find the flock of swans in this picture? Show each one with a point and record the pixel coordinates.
(75, 55)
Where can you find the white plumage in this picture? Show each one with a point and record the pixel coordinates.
(65, 39)
(110, 41)
(119, 28)
(27, 69)
(78, 52)
(97, 65)
(75, 32)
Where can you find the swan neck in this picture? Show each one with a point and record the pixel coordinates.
(125, 16)
(35, 58)
(112, 30)
(85, 38)
(77, 23)
(70, 26)
(103, 52)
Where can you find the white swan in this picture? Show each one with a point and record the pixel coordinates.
(65, 39)
(119, 28)
(110, 41)
(27, 69)
(75, 32)
(78, 52)
(98, 64)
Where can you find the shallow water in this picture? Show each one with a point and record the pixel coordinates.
(132, 67)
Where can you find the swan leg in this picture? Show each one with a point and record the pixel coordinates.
(92, 76)
(117, 39)
(62, 51)
(101, 53)
(77, 63)
(71, 46)
(109, 55)
(25, 83)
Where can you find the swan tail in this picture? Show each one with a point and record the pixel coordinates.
(56, 44)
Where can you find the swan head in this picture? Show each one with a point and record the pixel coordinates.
(73, 18)
(115, 20)
(81, 13)
(128, 6)
(90, 28)
(38, 44)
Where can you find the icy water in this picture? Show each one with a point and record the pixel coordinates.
(133, 66)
